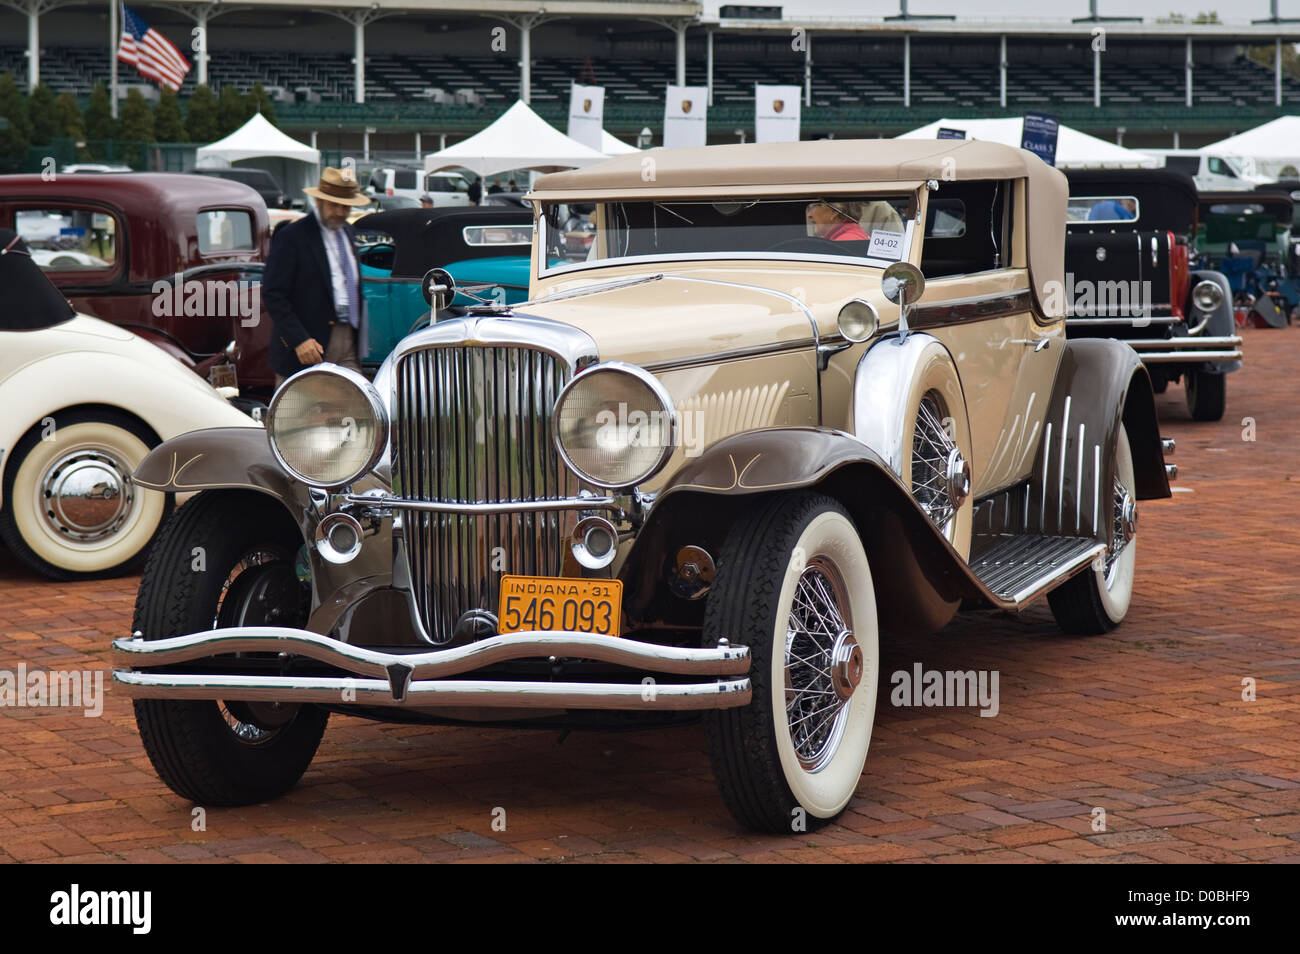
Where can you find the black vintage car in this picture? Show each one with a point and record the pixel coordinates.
(486, 251)
(1128, 276)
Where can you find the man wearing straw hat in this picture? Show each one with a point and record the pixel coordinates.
(312, 283)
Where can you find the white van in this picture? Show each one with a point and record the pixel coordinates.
(1212, 173)
(446, 188)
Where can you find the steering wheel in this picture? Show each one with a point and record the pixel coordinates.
(807, 243)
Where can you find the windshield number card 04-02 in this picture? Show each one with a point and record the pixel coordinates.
(886, 244)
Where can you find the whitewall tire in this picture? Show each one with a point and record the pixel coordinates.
(794, 585)
(70, 510)
(1097, 600)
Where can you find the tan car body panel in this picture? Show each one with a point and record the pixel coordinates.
(671, 320)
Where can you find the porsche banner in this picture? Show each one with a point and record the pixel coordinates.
(587, 115)
(686, 114)
(776, 113)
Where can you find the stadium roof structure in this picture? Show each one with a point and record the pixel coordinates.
(257, 139)
(1074, 149)
(518, 139)
(1061, 26)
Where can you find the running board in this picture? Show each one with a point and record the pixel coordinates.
(1021, 568)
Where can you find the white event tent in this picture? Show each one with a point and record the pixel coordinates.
(1274, 147)
(1074, 149)
(259, 144)
(518, 139)
(613, 146)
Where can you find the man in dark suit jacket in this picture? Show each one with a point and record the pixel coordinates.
(312, 283)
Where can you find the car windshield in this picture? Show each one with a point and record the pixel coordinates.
(871, 229)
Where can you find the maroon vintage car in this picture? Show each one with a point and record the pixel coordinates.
(176, 258)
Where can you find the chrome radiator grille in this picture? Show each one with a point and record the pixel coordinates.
(473, 424)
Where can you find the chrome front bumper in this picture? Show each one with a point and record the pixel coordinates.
(421, 680)
(1184, 350)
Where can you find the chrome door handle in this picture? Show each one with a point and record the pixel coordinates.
(1038, 344)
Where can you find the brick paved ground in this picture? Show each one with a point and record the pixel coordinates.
(1147, 724)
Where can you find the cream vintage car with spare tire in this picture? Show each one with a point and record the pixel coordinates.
(793, 399)
(85, 401)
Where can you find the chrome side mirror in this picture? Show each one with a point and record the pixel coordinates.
(903, 284)
(438, 288)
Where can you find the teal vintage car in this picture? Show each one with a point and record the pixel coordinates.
(486, 251)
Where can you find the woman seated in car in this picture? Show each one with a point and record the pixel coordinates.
(836, 221)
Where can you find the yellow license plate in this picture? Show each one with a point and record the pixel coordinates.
(542, 602)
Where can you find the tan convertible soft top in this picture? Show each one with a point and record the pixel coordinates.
(834, 165)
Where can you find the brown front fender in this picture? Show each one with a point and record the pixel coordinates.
(918, 577)
(232, 458)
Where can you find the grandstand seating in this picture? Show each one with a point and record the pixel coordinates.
(837, 82)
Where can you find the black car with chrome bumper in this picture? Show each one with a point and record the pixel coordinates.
(1127, 254)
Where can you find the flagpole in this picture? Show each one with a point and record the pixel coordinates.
(112, 56)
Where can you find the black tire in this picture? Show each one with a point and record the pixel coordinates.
(1159, 384)
(194, 749)
(123, 551)
(1094, 601)
(743, 605)
(1207, 395)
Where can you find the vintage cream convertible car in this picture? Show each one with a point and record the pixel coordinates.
(794, 396)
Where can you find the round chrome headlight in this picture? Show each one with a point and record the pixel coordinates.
(327, 426)
(615, 425)
(1207, 295)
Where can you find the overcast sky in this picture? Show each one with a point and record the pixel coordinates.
(1235, 10)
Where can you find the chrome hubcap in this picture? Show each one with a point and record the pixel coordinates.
(846, 665)
(958, 478)
(823, 665)
(85, 495)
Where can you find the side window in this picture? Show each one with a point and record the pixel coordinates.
(1220, 168)
(964, 229)
(1190, 165)
(69, 239)
(946, 219)
(225, 230)
(404, 179)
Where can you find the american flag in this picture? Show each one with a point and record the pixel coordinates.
(150, 52)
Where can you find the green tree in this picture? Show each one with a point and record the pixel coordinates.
(259, 101)
(202, 120)
(68, 118)
(1264, 56)
(231, 112)
(16, 137)
(99, 120)
(44, 119)
(137, 118)
(168, 124)
(1211, 17)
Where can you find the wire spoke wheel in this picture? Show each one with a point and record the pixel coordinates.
(1119, 536)
(933, 450)
(261, 589)
(816, 704)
